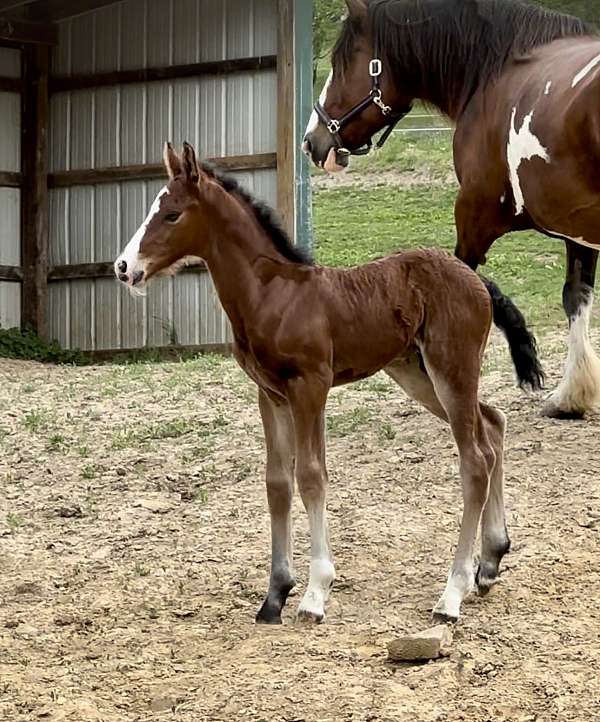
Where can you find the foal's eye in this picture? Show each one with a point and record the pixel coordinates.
(172, 217)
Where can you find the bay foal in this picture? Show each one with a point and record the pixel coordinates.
(300, 329)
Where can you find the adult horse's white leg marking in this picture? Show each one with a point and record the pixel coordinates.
(313, 121)
(585, 71)
(579, 389)
(522, 145)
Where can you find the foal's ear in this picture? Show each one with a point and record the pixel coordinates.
(190, 164)
(172, 161)
(357, 9)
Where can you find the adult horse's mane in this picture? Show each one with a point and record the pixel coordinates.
(264, 215)
(451, 47)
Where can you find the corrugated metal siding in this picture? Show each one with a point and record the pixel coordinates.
(234, 115)
(10, 198)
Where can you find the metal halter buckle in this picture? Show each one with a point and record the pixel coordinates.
(385, 109)
(334, 126)
(375, 68)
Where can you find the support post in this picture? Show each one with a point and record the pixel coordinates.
(36, 63)
(286, 125)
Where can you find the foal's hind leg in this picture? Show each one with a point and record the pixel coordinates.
(279, 435)
(455, 381)
(495, 542)
(460, 408)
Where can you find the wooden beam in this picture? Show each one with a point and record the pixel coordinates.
(11, 273)
(66, 178)
(99, 270)
(20, 31)
(10, 85)
(34, 199)
(14, 6)
(169, 72)
(10, 180)
(286, 135)
(60, 9)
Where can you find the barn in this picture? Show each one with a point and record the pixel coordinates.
(89, 92)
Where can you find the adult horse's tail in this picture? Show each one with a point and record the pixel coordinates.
(522, 343)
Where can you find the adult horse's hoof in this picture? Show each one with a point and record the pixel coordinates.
(551, 411)
(305, 616)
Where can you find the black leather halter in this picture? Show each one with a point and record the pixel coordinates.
(374, 98)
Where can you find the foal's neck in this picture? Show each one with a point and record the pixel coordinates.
(241, 257)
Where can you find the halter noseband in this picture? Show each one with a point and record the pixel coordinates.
(375, 97)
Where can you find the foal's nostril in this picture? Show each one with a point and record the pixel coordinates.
(122, 267)
(123, 277)
(307, 146)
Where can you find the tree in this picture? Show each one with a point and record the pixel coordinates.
(583, 9)
(326, 26)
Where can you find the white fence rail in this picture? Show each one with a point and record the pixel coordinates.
(424, 123)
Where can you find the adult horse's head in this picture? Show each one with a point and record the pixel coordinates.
(168, 237)
(359, 98)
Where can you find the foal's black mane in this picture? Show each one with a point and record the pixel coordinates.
(264, 215)
(448, 48)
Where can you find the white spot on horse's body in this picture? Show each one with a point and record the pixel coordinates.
(503, 198)
(547, 88)
(594, 62)
(522, 145)
(314, 118)
(131, 253)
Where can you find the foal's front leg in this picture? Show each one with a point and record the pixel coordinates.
(308, 398)
(278, 425)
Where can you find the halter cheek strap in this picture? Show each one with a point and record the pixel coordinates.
(375, 97)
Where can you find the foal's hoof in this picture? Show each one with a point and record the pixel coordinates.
(306, 616)
(552, 411)
(485, 580)
(268, 615)
(444, 618)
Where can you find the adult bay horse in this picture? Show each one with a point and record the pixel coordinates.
(522, 85)
(300, 329)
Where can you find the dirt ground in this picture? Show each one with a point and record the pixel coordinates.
(134, 545)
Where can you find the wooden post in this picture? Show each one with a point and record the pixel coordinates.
(34, 199)
(286, 116)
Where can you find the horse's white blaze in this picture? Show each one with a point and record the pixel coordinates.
(579, 389)
(547, 88)
(131, 253)
(522, 145)
(314, 118)
(594, 62)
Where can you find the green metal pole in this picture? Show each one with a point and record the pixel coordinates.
(304, 100)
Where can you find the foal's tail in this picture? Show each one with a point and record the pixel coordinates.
(522, 343)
